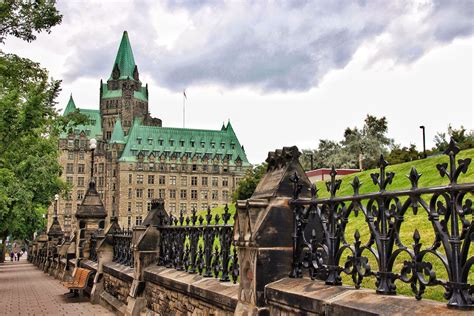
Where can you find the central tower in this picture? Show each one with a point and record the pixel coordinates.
(123, 96)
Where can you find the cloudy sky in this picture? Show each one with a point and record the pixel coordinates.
(283, 72)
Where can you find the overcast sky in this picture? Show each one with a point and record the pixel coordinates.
(284, 72)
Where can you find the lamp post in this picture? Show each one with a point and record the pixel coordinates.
(56, 198)
(424, 143)
(92, 146)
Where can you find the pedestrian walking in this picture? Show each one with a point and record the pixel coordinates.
(11, 255)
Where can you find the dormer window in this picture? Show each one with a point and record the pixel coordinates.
(213, 145)
(203, 144)
(160, 142)
(139, 140)
(150, 141)
(181, 143)
(192, 143)
(222, 145)
(171, 142)
(232, 146)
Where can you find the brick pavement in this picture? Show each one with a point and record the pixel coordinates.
(26, 290)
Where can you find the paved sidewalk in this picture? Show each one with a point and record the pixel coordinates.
(26, 290)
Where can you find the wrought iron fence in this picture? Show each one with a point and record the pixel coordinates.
(447, 207)
(93, 248)
(202, 245)
(123, 252)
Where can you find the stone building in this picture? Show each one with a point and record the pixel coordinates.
(137, 159)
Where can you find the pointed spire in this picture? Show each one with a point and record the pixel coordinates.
(124, 61)
(229, 127)
(223, 126)
(118, 136)
(70, 107)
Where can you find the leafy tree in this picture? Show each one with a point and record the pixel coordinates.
(463, 138)
(405, 154)
(22, 18)
(248, 184)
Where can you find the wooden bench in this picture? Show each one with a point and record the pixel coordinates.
(80, 280)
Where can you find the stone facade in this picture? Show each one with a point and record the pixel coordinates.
(116, 287)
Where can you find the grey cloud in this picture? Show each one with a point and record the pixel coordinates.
(276, 46)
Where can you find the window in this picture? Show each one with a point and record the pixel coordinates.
(139, 193)
(173, 167)
(139, 179)
(69, 180)
(181, 143)
(139, 207)
(113, 186)
(70, 155)
(138, 220)
(213, 145)
(129, 207)
(194, 181)
(195, 167)
(80, 181)
(223, 145)
(67, 221)
(101, 168)
(150, 141)
(81, 155)
(172, 194)
(184, 168)
(69, 168)
(204, 167)
(184, 181)
(129, 193)
(151, 179)
(172, 207)
(151, 193)
(225, 181)
(204, 181)
(101, 181)
(161, 180)
(215, 182)
(204, 194)
(203, 144)
(182, 206)
(68, 209)
(215, 195)
(70, 143)
(108, 134)
(204, 206)
(148, 206)
(171, 142)
(183, 194)
(215, 168)
(192, 143)
(194, 194)
(130, 178)
(173, 180)
(161, 193)
(139, 141)
(160, 142)
(151, 166)
(129, 221)
(225, 195)
(80, 168)
(80, 195)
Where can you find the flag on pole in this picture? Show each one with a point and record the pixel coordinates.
(184, 93)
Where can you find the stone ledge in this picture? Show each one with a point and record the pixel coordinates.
(308, 296)
(119, 271)
(91, 265)
(210, 290)
(113, 304)
(72, 262)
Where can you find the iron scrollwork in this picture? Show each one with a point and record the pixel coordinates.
(446, 207)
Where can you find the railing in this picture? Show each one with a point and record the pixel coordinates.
(93, 247)
(319, 238)
(123, 252)
(199, 245)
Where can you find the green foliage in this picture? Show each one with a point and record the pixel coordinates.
(248, 184)
(359, 145)
(399, 155)
(22, 18)
(463, 139)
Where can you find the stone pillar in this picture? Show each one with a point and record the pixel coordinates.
(146, 239)
(263, 230)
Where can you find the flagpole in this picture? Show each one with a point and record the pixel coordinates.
(184, 108)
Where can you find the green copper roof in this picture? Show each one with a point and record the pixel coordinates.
(182, 141)
(110, 94)
(117, 134)
(93, 129)
(70, 107)
(124, 59)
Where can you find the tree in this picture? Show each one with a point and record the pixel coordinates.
(462, 138)
(248, 184)
(22, 18)
(405, 154)
(29, 125)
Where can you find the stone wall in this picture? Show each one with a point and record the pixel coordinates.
(171, 292)
(118, 281)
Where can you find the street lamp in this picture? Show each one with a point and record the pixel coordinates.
(424, 143)
(56, 198)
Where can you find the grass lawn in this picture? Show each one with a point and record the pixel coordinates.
(430, 177)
